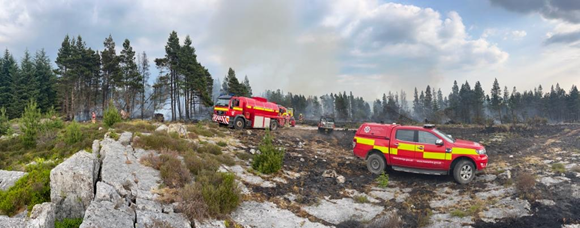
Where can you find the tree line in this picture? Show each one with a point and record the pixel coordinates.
(86, 80)
(464, 104)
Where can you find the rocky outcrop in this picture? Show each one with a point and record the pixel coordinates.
(42, 216)
(177, 128)
(72, 185)
(107, 214)
(162, 127)
(9, 178)
(125, 193)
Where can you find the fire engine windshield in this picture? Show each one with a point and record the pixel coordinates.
(443, 135)
(222, 102)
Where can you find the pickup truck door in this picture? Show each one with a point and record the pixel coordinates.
(428, 154)
(402, 152)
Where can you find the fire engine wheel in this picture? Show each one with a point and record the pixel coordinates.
(273, 125)
(239, 123)
(376, 164)
(464, 172)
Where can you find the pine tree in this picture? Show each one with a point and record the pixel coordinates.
(247, 87)
(132, 80)
(233, 85)
(111, 71)
(144, 71)
(496, 99)
(478, 100)
(8, 74)
(46, 81)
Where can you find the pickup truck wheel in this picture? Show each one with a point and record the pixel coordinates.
(239, 123)
(273, 125)
(464, 172)
(376, 164)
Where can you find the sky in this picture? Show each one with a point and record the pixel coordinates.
(314, 47)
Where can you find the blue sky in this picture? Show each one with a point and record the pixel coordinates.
(368, 47)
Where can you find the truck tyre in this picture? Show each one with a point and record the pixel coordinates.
(376, 164)
(464, 172)
(239, 123)
(273, 125)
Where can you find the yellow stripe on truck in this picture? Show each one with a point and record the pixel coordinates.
(394, 151)
(383, 149)
(457, 150)
(405, 146)
(430, 155)
(365, 141)
(237, 108)
(220, 109)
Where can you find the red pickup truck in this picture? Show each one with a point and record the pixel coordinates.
(423, 150)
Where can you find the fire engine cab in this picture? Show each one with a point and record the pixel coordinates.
(245, 112)
(415, 149)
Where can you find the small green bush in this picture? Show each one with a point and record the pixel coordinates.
(114, 135)
(4, 123)
(458, 213)
(30, 124)
(33, 188)
(52, 120)
(163, 141)
(222, 144)
(383, 180)
(361, 199)
(173, 173)
(73, 133)
(210, 148)
(270, 159)
(68, 223)
(195, 164)
(558, 168)
(111, 115)
(213, 194)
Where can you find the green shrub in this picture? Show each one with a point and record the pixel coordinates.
(270, 159)
(52, 120)
(30, 124)
(222, 144)
(226, 160)
(33, 188)
(135, 126)
(4, 123)
(163, 141)
(213, 194)
(244, 156)
(558, 168)
(111, 115)
(68, 223)
(458, 213)
(361, 199)
(114, 135)
(383, 180)
(195, 164)
(210, 148)
(173, 173)
(73, 133)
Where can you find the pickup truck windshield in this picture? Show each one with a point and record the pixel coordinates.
(222, 102)
(443, 135)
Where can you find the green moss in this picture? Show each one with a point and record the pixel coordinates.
(558, 168)
(222, 144)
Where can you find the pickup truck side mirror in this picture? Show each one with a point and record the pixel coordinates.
(439, 142)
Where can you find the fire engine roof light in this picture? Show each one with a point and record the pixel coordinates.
(429, 126)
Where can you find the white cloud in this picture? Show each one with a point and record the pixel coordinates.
(391, 29)
(519, 34)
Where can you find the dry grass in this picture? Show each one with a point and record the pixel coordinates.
(173, 172)
(163, 141)
(525, 184)
(210, 148)
(212, 195)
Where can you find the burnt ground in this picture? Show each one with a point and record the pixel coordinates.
(512, 149)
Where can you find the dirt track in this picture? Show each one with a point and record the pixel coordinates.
(423, 200)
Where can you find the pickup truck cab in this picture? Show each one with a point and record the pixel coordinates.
(415, 149)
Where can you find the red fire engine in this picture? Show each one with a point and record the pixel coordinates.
(245, 112)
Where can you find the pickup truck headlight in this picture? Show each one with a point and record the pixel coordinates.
(481, 152)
